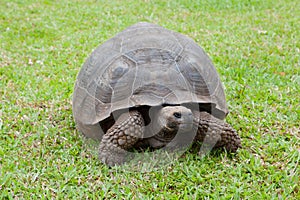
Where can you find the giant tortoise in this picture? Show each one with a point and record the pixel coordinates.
(149, 87)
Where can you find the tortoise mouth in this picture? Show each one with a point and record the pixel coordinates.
(178, 126)
(168, 133)
(175, 128)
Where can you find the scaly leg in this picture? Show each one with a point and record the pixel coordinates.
(120, 137)
(215, 133)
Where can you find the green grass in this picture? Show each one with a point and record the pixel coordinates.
(254, 46)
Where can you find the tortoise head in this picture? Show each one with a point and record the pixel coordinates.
(171, 124)
(175, 118)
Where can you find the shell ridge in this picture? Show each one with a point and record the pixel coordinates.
(133, 84)
(186, 83)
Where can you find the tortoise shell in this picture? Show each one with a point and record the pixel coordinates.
(144, 65)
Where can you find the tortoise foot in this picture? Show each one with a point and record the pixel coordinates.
(215, 133)
(120, 137)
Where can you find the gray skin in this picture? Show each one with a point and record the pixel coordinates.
(169, 122)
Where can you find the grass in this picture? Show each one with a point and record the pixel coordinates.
(254, 46)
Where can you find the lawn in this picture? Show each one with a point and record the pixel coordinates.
(254, 46)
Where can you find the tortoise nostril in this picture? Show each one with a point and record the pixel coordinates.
(177, 115)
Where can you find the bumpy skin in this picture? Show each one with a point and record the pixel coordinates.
(120, 137)
(215, 133)
(128, 131)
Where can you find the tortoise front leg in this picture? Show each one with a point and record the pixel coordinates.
(120, 137)
(215, 133)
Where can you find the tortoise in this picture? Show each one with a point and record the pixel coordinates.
(150, 87)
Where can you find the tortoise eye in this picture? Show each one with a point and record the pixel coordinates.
(177, 115)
